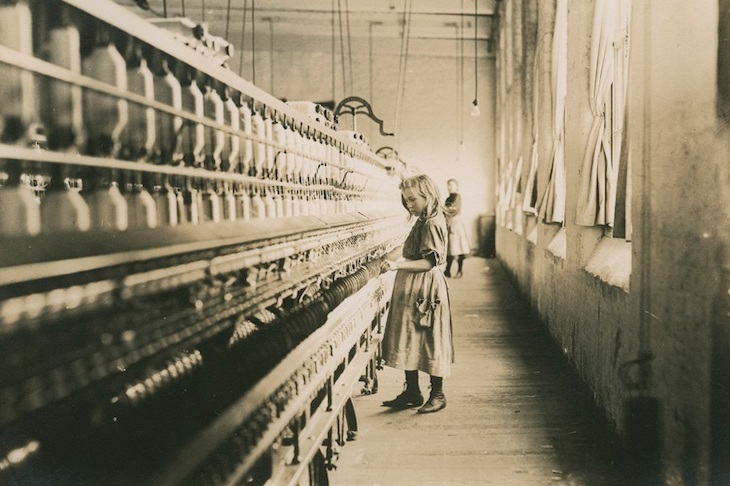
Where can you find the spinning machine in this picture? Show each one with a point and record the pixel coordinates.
(190, 288)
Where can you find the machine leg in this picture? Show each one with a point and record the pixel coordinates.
(318, 471)
(351, 420)
(370, 378)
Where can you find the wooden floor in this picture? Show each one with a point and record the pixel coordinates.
(516, 414)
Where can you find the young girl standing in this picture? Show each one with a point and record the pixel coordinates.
(418, 336)
(458, 246)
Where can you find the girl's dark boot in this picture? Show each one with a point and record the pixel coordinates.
(411, 396)
(437, 400)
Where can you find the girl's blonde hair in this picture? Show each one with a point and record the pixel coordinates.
(426, 188)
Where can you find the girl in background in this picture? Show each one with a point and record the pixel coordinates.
(458, 246)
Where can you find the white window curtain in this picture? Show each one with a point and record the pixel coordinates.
(552, 203)
(502, 179)
(599, 172)
(529, 199)
(515, 210)
(622, 225)
(503, 135)
(508, 178)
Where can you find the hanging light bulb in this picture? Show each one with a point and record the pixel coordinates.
(475, 109)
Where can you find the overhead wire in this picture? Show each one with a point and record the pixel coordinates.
(400, 56)
(403, 67)
(334, 72)
(457, 107)
(349, 45)
(253, 41)
(460, 112)
(228, 18)
(476, 78)
(342, 48)
(243, 38)
(271, 55)
(459, 90)
(370, 62)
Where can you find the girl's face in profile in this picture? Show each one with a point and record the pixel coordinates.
(415, 203)
(453, 186)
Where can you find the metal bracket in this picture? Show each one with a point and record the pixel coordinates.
(354, 105)
(387, 153)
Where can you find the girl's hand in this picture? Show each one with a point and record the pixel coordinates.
(387, 266)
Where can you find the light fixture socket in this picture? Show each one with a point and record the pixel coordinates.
(475, 109)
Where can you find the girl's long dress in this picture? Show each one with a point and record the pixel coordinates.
(458, 236)
(408, 344)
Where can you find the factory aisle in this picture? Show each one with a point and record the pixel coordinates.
(516, 415)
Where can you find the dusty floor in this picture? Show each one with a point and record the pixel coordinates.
(516, 413)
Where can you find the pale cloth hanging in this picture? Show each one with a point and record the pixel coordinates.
(515, 198)
(597, 196)
(529, 199)
(504, 113)
(552, 204)
(508, 177)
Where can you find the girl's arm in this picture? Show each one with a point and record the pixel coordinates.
(422, 265)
